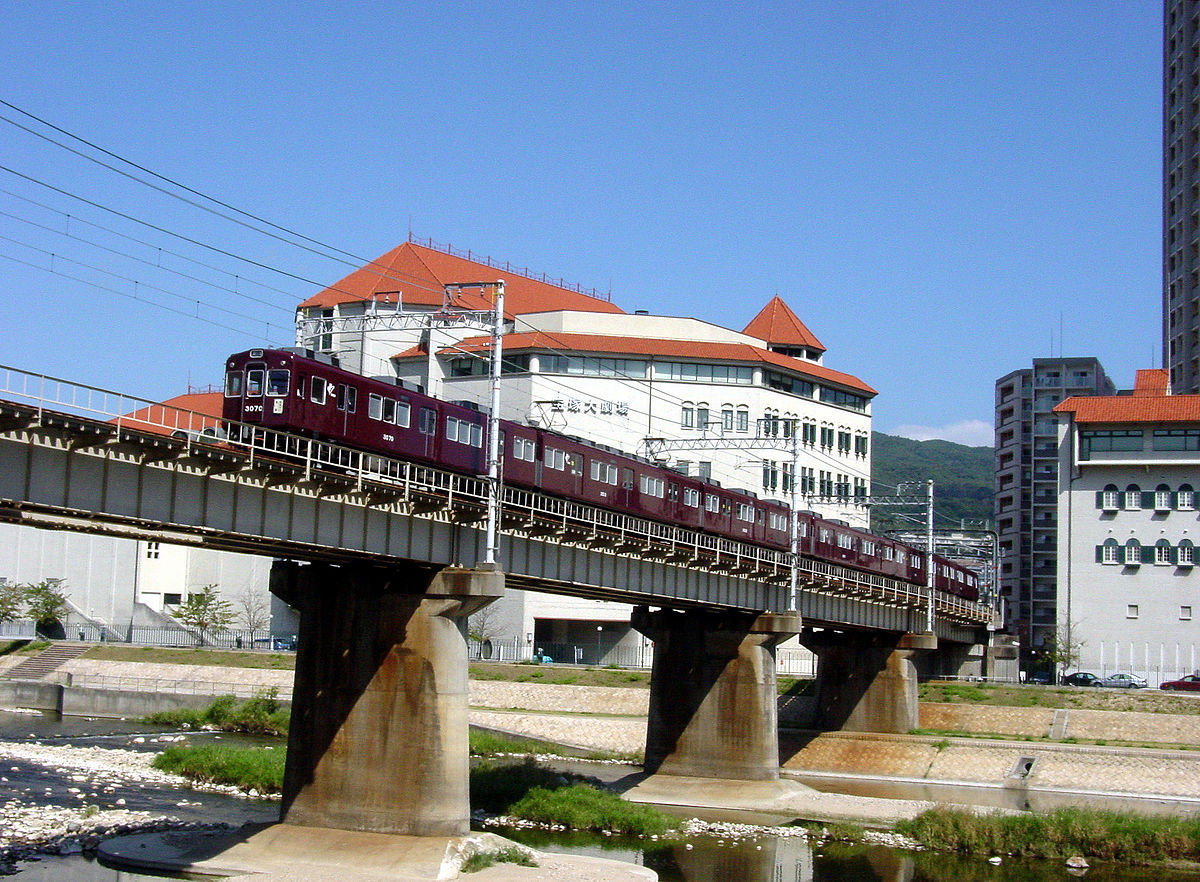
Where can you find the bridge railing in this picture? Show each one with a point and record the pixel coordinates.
(434, 488)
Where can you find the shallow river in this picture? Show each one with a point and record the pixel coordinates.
(700, 859)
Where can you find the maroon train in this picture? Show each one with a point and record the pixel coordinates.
(292, 391)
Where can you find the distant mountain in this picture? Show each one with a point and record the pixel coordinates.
(962, 480)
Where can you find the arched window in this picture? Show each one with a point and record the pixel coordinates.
(1133, 497)
(726, 417)
(1110, 552)
(1162, 498)
(1133, 553)
(1162, 553)
(687, 417)
(1110, 498)
(1185, 499)
(1186, 555)
(743, 418)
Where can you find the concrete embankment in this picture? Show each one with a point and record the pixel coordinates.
(610, 718)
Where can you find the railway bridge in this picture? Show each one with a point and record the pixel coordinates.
(379, 555)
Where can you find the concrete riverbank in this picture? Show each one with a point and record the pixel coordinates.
(1017, 759)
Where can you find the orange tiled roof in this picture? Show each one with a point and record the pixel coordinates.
(1133, 408)
(419, 273)
(640, 346)
(1152, 381)
(779, 326)
(193, 412)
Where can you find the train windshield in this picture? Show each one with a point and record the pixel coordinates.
(254, 382)
(233, 384)
(277, 382)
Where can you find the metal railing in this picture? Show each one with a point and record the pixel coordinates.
(175, 685)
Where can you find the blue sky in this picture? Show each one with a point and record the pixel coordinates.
(942, 191)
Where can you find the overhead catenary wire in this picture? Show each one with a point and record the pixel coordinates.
(359, 263)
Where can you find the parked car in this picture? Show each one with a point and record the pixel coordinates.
(1190, 683)
(1041, 678)
(1124, 681)
(1081, 678)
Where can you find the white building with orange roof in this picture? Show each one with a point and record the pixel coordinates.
(723, 402)
(1128, 589)
(576, 363)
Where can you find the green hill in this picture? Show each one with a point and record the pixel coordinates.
(961, 475)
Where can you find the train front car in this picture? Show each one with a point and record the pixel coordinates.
(257, 387)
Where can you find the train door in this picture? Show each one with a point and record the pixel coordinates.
(427, 429)
(625, 496)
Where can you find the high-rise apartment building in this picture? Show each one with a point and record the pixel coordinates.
(1027, 488)
(1181, 194)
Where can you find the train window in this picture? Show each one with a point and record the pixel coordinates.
(402, 413)
(804, 528)
(824, 535)
(889, 553)
(254, 382)
(375, 406)
(555, 459)
(901, 557)
(604, 473)
(652, 486)
(691, 497)
(745, 512)
(673, 492)
(428, 424)
(233, 384)
(845, 540)
(627, 479)
(868, 547)
(300, 385)
(318, 390)
(387, 410)
(575, 464)
(524, 448)
(712, 502)
(464, 432)
(347, 398)
(760, 516)
(277, 382)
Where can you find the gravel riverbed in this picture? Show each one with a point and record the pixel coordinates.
(61, 799)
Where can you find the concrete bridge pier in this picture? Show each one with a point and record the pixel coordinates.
(378, 739)
(866, 681)
(713, 704)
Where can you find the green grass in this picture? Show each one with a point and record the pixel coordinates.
(1100, 835)
(247, 768)
(260, 715)
(512, 854)
(535, 793)
(22, 647)
(193, 656)
(583, 807)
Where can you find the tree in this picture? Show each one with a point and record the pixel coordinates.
(204, 610)
(45, 602)
(1062, 651)
(484, 625)
(253, 609)
(12, 600)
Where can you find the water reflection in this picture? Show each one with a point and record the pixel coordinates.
(794, 859)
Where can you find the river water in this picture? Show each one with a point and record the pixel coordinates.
(763, 858)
